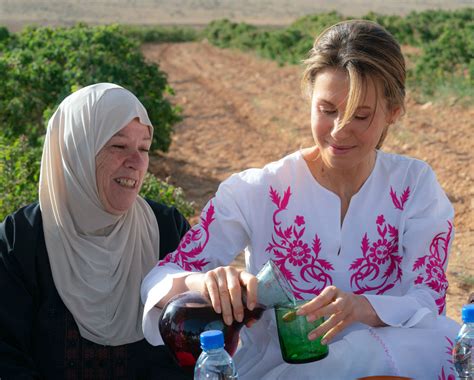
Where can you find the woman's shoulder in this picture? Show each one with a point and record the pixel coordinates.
(269, 173)
(23, 221)
(165, 214)
(402, 165)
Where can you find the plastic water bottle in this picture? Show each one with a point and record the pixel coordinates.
(214, 363)
(463, 351)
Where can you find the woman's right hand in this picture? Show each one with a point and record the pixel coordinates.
(223, 286)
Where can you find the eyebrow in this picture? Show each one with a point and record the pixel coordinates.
(120, 134)
(331, 104)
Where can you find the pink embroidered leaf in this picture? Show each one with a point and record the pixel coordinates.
(405, 196)
(390, 269)
(280, 233)
(384, 289)
(419, 263)
(199, 264)
(433, 285)
(286, 198)
(382, 231)
(287, 233)
(297, 233)
(325, 264)
(392, 231)
(269, 247)
(399, 274)
(193, 252)
(279, 254)
(356, 263)
(208, 217)
(316, 245)
(395, 201)
(365, 244)
(275, 197)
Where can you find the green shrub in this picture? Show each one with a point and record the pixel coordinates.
(19, 174)
(162, 34)
(163, 192)
(44, 65)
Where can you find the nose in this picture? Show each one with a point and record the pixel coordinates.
(339, 131)
(136, 160)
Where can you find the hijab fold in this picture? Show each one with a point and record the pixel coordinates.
(97, 259)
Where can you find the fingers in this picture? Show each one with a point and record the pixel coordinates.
(338, 308)
(249, 282)
(318, 306)
(223, 287)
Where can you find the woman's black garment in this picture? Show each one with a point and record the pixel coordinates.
(39, 338)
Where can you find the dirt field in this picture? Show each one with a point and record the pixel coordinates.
(241, 111)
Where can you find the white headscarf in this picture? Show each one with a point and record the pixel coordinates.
(98, 260)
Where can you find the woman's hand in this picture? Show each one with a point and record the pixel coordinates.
(340, 310)
(223, 286)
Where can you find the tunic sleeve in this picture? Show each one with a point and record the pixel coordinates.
(216, 240)
(17, 307)
(426, 233)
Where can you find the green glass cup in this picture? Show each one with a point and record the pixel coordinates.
(293, 331)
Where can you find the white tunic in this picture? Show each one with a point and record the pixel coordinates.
(392, 247)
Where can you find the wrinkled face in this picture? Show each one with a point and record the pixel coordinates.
(121, 166)
(345, 148)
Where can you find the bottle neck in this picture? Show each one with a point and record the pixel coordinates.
(211, 351)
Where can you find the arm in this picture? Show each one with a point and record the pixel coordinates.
(17, 301)
(220, 235)
(425, 241)
(425, 235)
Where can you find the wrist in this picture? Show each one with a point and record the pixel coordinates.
(366, 313)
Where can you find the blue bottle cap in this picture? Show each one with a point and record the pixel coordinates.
(211, 339)
(467, 313)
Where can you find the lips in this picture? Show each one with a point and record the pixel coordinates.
(341, 149)
(126, 182)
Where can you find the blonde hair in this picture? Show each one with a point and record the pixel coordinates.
(366, 51)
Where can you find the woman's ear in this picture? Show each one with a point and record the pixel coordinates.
(394, 114)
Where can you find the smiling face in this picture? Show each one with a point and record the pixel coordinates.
(121, 166)
(353, 145)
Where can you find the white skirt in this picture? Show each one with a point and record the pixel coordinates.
(420, 352)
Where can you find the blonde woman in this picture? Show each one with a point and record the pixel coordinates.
(361, 234)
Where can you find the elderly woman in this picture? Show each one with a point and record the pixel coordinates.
(71, 266)
(361, 234)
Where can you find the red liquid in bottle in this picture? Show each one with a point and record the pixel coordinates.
(186, 318)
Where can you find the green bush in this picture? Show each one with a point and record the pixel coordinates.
(161, 34)
(163, 192)
(44, 65)
(19, 174)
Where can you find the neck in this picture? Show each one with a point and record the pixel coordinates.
(345, 182)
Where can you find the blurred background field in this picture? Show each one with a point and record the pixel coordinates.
(221, 82)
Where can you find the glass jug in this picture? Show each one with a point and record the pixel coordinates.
(188, 314)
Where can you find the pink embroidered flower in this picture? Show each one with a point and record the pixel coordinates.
(380, 220)
(380, 251)
(299, 220)
(435, 271)
(299, 253)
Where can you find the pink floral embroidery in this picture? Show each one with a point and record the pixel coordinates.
(449, 350)
(193, 244)
(433, 263)
(400, 203)
(298, 262)
(379, 268)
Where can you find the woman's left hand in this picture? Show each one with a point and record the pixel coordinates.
(340, 310)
